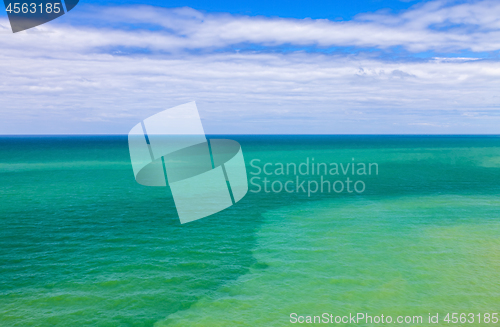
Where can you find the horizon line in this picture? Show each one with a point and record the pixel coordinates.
(243, 134)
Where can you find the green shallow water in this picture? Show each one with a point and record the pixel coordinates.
(81, 243)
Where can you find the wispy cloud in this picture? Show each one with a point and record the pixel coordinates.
(434, 25)
(249, 93)
(71, 76)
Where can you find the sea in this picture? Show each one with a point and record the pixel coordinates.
(83, 244)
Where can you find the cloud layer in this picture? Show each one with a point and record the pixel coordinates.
(436, 26)
(107, 68)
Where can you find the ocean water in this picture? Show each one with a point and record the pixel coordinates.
(82, 244)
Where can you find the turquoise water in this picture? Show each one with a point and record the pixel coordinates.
(82, 244)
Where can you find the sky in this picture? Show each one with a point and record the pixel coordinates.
(257, 67)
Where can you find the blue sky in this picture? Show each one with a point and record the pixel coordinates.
(377, 67)
(334, 9)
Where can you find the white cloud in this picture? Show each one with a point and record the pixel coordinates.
(249, 93)
(61, 78)
(432, 26)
